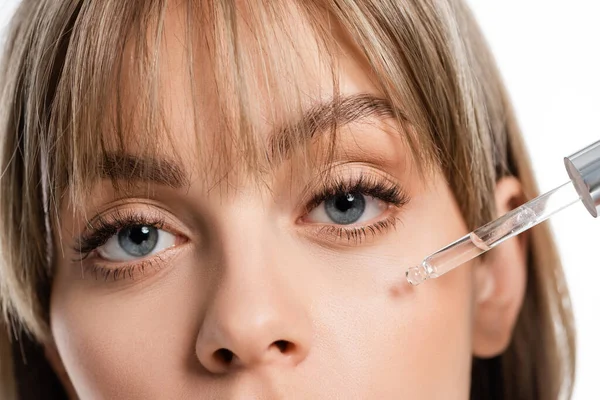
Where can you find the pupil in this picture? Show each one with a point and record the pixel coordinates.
(344, 202)
(139, 234)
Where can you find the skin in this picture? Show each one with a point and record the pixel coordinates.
(302, 316)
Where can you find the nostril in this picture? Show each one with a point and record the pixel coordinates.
(284, 346)
(224, 356)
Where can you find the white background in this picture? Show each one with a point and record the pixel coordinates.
(549, 54)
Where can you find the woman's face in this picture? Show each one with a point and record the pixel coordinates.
(289, 288)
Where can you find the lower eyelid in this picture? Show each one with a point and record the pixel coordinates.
(355, 235)
(140, 269)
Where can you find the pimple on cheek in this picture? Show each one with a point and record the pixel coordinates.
(395, 291)
(400, 292)
(400, 289)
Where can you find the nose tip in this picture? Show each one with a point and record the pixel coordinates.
(226, 359)
(257, 314)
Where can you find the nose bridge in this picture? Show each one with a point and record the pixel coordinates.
(247, 245)
(255, 316)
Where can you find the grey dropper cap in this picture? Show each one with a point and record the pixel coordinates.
(584, 169)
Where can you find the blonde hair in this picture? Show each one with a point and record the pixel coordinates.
(60, 78)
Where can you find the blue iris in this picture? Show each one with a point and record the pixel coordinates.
(345, 208)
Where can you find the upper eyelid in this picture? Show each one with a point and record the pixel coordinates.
(125, 213)
(330, 182)
(108, 222)
(112, 221)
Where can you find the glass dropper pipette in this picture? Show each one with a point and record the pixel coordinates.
(493, 233)
(584, 170)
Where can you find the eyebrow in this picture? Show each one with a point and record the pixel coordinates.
(129, 167)
(329, 115)
(320, 118)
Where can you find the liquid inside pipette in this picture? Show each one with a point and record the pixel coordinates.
(493, 233)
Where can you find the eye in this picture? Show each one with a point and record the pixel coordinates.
(347, 208)
(136, 241)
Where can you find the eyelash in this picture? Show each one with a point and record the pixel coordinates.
(365, 184)
(127, 271)
(103, 228)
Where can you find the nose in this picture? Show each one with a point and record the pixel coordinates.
(255, 317)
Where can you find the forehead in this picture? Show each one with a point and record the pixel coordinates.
(229, 80)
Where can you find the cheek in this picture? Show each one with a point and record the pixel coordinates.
(394, 340)
(122, 344)
(427, 329)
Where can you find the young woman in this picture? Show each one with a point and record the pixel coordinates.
(219, 199)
